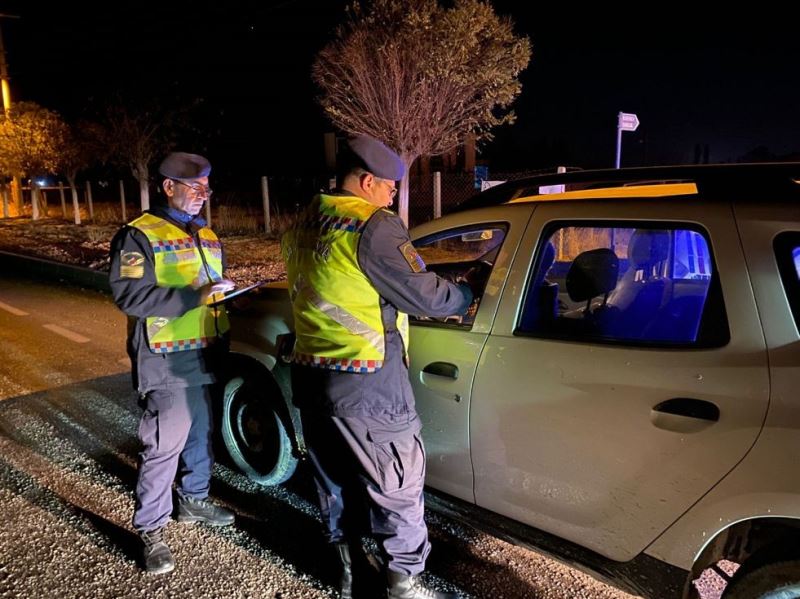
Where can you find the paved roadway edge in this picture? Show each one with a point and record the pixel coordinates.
(54, 271)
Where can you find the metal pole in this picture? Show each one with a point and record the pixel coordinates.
(122, 201)
(208, 211)
(437, 194)
(265, 201)
(619, 146)
(63, 199)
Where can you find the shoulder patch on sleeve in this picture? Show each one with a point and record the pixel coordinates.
(131, 265)
(412, 256)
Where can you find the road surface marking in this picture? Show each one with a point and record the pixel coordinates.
(66, 333)
(12, 309)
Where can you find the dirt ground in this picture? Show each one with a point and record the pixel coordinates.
(250, 258)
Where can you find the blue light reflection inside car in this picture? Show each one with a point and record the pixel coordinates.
(796, 259)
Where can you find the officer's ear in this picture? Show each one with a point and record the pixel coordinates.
(169, 187)
(366, 181)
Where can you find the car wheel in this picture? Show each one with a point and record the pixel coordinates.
(254, 433)
(773, 580)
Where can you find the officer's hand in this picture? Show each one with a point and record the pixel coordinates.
(211, 292)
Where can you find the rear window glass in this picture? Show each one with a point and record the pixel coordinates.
(633, 285)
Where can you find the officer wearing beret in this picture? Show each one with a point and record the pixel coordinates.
(165, 265)
(354, 276)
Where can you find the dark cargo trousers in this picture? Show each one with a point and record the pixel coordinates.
(370, 474)
(175, 430)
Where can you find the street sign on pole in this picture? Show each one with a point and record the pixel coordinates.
(626, 121)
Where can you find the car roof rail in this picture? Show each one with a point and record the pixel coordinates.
(707, 179)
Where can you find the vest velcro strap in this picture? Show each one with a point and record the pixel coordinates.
(360, 366)
(167, 347)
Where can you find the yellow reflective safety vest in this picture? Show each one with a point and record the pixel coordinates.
(337, 312)
(179, 262)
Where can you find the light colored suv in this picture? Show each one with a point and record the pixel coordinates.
(626, 395)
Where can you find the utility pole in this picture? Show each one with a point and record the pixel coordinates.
(15, 208)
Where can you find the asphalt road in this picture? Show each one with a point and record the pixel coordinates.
(68, 449)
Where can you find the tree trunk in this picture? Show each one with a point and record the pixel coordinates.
(15, 198)
(402, 196)
(144, 193)
(142, 175)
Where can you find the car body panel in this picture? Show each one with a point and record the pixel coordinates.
(442, 402)
(765, 484)
(571, 446)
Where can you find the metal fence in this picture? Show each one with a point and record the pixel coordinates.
(241, 210)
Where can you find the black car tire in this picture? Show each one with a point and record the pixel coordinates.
(254, 433)
(773, 580)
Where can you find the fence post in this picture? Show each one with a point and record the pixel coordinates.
(5, 201)
(63, 199)
(122, 201)
(76, 209)
(208, 210)
(89, 200)
(34, 200)
(437, 194)
(265, 201)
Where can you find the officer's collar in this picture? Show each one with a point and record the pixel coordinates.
(179, 216)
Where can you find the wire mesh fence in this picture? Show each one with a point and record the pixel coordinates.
(240, 211)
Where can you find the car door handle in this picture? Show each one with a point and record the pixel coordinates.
(684, 415)
(442, 369)
(691, 408)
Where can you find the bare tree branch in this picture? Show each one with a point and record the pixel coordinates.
(419, 76)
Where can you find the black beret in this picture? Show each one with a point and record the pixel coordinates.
(181, 165)
(379, 160)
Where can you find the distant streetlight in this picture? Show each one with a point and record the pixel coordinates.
(626, 121)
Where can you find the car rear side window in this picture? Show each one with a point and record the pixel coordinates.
(787, 254)
(653, 285)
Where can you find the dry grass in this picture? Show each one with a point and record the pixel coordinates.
(250, 258)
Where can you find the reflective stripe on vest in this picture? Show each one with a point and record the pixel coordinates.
(336, 309)
(180, 263)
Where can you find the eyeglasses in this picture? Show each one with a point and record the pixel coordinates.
(390, 185)
(198, 190)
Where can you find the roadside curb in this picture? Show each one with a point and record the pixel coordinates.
(52, 270)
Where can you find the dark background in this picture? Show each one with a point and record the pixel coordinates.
(703, 80)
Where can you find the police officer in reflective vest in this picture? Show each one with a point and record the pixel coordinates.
(354, 275)
(165, 266)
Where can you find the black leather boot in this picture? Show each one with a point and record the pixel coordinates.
(346, 579)
(403, 586)
(156, 555)
(202, 510)
(361, 576)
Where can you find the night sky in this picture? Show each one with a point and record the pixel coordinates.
(726, 81)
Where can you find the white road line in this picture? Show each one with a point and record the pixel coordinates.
(12, 309)
(66, 333)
